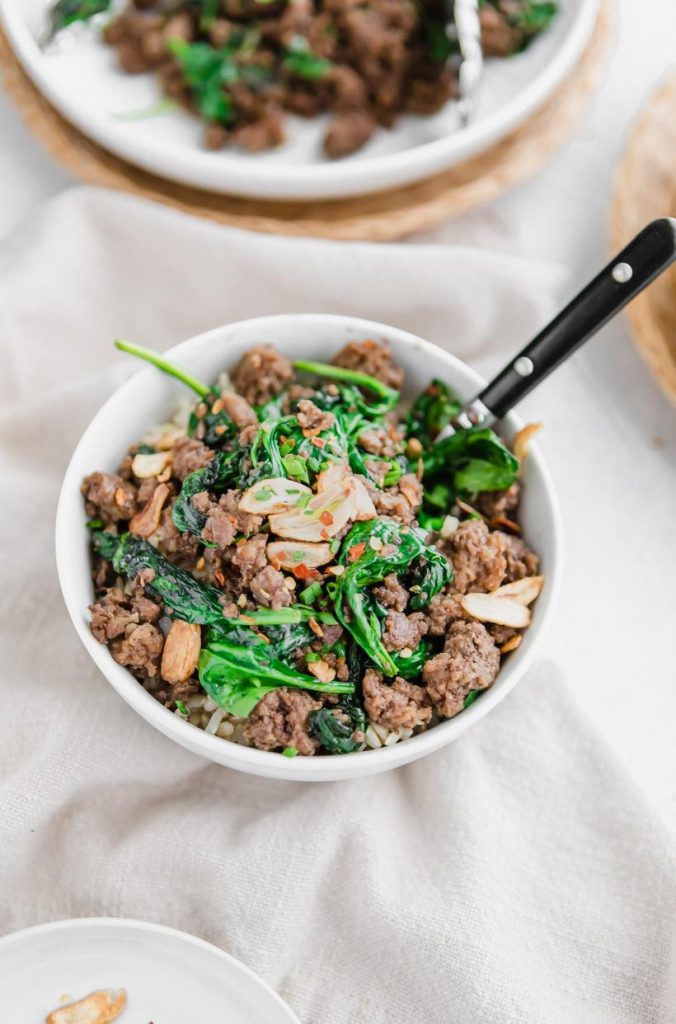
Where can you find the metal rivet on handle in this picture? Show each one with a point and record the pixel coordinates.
(622, 273)
(524, 366)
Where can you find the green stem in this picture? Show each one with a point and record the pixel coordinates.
(156, 360)
(349, 376)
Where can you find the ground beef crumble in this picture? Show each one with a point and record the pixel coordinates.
(395, 705)
(373, 358)
(110, 497)
(261, 374)
(477, 557)
(391, 593)
(189, 455)
(281, 720)
(470, 661)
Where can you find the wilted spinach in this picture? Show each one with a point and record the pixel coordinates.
(66, 12)
(354, 605)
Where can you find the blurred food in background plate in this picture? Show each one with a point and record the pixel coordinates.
(240, 65)
(101, 1007)
(301, 100)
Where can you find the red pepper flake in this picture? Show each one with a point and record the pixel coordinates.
(315, 627)
(325, 534)
(303, 572)
(220, 578)
(220, 429)
(357, 551)
(326, 518)
(318, 442)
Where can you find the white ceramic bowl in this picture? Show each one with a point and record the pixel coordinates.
(170, 145)
(149, 397)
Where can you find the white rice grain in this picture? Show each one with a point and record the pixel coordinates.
(214, 722)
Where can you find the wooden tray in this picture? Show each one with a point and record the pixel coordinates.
(645, 189)
(381, 217)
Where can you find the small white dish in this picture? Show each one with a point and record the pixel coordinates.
(84, 84)
(169, 976)
(149, 397)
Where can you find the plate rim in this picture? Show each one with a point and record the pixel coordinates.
(335, 180)
(154, 928)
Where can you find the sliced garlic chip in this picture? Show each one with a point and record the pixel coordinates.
(325, 515)
(524, 591)
(146, 466)
(181, 651)
(289, 554)
(523, 438)
(102, 1007)
(276, 494)
(500, 610)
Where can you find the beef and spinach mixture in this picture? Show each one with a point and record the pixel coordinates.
(293, 563)
(241, 65)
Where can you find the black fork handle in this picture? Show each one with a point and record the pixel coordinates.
(651, 252)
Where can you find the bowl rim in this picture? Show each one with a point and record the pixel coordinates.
(268, 763)
(367, 175)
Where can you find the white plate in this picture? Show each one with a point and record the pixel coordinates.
(170, 977)
(84, 84)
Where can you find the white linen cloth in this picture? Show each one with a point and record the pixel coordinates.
(516, 877)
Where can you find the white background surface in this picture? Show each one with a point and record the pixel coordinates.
(616, 624)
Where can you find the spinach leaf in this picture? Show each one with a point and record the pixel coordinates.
(218, 475)
(431, 412)
(412, 666)
(184, 596)
(207, 71)
(365, 564)
(533, 16)
(66, 12)
(388, 396)
(335, 727)
(237, 677)
(300, 60)
(467, 462)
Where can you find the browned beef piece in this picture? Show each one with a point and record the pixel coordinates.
(261, 373)
(403, 630)
(111, 615)
(492, 504)
(280, 720)
(348, 86)
(331, 634)
(348, 131)
(470, 661)
(501, 634)
(115, 611)
(373, 358)
(381, 442)
(180, 548)
(401, 501)
(183, 690)
(267, 588)
(391, 594)
(498, 38)
(238, 409)
(477, 557)
(264, 133)
(109, 497)
(221, 526)
(103, 574)
(313, 419)
(224, 519)
(395, 705)
(520, 560)
(443, 609)
(250, 557)
(140, 649)
(189, 455)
